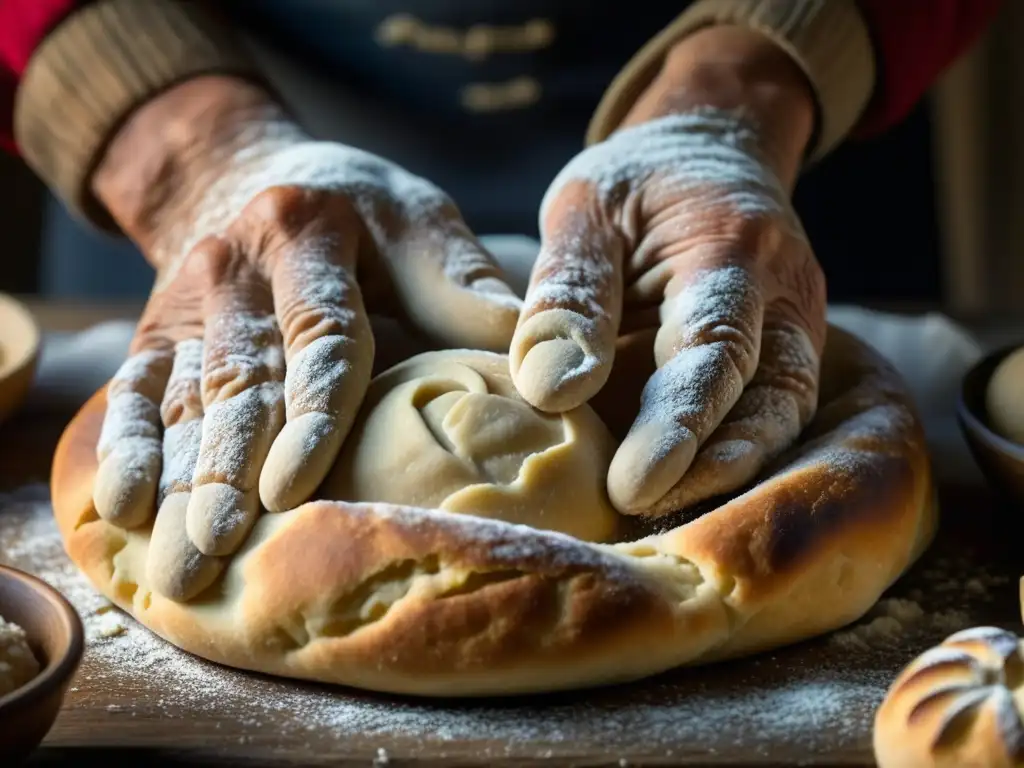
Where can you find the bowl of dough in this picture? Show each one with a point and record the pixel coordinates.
(41, 644)
(991, 415)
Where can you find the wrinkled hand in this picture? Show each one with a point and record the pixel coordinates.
(681, 221)
(255, 350)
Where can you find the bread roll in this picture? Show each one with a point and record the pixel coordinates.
(958, 705)
(429, 602)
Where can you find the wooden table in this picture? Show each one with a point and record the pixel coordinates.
(809, 704)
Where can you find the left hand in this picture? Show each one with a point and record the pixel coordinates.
(682, 221)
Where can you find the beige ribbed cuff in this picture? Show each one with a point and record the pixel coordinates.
(94, 69)
(828, 39)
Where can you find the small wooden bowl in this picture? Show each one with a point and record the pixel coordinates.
(57, 639)
(19, 353)
(1000, 460)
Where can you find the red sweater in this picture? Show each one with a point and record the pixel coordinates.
(915, 40)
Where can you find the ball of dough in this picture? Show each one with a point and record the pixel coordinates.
(448, 430)
(1005, 397)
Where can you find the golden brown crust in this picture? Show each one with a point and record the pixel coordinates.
(425, 602)
(957, 704)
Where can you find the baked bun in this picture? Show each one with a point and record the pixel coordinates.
(957, 705)
(417, 601)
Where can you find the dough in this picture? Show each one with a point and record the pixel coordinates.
(17, 664)
(438, 602)
(1005, 398)
(448, 430)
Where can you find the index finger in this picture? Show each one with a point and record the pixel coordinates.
(564, 345)
(707, 350)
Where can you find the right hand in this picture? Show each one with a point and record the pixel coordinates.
(254, 351)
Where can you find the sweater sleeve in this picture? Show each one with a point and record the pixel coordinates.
(76, 70)
(868, 61)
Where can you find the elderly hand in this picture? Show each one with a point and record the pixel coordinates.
(681, 220)
(254, 351)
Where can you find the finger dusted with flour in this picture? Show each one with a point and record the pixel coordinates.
(441, 273)
(564, 345)
(175, 567)
(130, 444)
(770, 415)
(707, 351)
(242, 389)
(329, 351)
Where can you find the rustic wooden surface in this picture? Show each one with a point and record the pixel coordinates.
(809, 704)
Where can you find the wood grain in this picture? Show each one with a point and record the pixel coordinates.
(809, 704)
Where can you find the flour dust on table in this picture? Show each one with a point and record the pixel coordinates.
(814, 698)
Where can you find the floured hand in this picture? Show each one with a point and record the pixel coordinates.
(682, 221)
(255, 351)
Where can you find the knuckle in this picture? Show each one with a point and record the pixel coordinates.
(738, 348)
(760, 233)
(303, 323)
(290, 210)
(182, 402)
(212, 262)
(802, 287)
(170, 316)
(227, 375)
(287, 207)
(151, 334)
(567, 198)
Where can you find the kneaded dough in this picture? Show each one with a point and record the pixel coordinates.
(17, 663)
(448, 430)
(1005, 398)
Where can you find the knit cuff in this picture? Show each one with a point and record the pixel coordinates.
(94, 69)
(828, 39)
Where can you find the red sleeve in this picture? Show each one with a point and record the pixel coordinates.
(915, 40)
(23, 25)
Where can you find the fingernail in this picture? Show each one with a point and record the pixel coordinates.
(648, 464)
(299, 459)
(557, 372)
(124, 491)
(174, 567)
(219, 517)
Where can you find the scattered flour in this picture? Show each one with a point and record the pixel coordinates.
(951, 583)
(812, 700)
(885, 624)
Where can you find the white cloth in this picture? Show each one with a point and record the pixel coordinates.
(932, 354)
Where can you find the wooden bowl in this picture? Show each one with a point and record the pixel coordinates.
(19, 353)
(1001, 460)
(56, 637)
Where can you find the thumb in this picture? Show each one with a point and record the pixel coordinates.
(451, 288)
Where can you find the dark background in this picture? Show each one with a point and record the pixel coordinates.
(869, 210)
